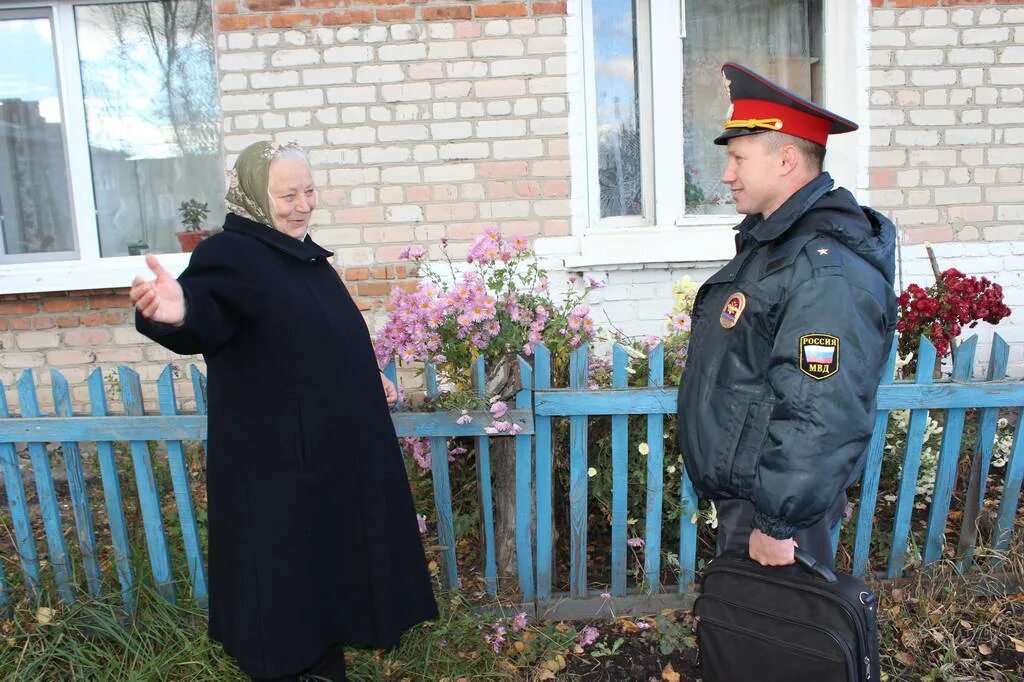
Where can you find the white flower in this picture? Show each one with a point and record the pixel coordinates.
(591, 472)
(643, 449)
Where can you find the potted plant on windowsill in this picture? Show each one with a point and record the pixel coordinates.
(193, 215)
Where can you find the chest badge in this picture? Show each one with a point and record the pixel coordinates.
(819, 355)
(732, 310)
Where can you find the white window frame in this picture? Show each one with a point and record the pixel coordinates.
(674, 236)
(89, 270)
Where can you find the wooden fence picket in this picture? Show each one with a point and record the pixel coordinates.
(620, 477)
(524, 489)
(655, 474)
(180, 480)
(872, 475)
(442, 494)
(483, 464)
(145, 486)
(949, 455)
(58, 557)
(542, 445)
(18, 506)
(112, 496)
(911, 466)
(80, 506)
(578, 478)
(981, 460)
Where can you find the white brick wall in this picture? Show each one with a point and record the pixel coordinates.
(415, 129)
(944, 100)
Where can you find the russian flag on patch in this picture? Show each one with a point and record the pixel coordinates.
(820, 355)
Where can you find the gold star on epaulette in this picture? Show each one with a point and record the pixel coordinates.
(822, 252)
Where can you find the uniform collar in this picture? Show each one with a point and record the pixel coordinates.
(767, 230)
(304, 250)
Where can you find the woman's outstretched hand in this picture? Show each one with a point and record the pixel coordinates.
(160, 299)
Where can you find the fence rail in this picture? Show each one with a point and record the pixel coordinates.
(537, 404)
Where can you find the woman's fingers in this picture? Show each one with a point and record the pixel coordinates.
(149, 311)
(156, 267)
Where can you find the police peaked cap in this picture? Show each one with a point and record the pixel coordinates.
(759, 105)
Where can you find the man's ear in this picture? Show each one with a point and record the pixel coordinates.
(790, 159)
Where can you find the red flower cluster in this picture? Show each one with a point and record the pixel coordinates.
(942, 310)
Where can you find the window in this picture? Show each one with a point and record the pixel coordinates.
(650, 99)
(779, 39)
(109, 120)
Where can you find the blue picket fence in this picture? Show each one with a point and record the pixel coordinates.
(537, 404)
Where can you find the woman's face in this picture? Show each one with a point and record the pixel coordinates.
(292, 196)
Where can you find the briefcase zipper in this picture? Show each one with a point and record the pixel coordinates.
(764, 638)
(849, 656)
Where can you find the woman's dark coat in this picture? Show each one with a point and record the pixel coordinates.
(312, 530)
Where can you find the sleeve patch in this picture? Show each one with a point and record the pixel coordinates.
(819, 355)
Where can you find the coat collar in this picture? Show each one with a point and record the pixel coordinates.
(766, 230)
(305, 250)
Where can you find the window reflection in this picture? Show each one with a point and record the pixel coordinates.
(35, 211)
(153, 118)
(619, 146)
(776, 38)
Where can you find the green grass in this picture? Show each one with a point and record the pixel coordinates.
(93, 640)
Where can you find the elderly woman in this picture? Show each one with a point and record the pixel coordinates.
(313, 540)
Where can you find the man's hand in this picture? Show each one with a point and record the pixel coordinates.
(767, 551)
(160, 299)
(390, 392)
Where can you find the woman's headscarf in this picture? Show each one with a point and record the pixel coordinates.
(249, 182)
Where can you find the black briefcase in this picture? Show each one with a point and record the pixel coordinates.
(785, 624)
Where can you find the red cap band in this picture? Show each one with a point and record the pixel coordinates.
(794, 122)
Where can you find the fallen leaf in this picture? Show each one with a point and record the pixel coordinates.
(544, 674)
(669, 675)
(44, 615)
(966, 625)
(1018, 645)
(985, 649)
(906, 659)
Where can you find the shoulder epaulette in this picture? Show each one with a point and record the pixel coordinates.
(823, 252)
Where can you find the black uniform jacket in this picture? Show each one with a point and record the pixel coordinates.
(787, 346)
(313, 537)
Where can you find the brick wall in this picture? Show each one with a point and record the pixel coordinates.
(76, 333)
(947, 119)
(424, 120)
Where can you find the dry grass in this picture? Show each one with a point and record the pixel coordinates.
(938, 624)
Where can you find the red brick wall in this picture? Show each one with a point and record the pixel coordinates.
(247, 15)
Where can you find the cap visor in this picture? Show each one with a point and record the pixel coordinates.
(730, 133)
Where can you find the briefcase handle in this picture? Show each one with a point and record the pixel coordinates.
(810, 564)
(804, 558)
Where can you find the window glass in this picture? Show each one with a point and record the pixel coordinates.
(619, 145)
(35, 211)
(153, 118)
(779, 39)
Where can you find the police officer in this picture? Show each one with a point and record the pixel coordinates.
(789, 338)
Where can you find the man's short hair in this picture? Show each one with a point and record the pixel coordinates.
(813, 152)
